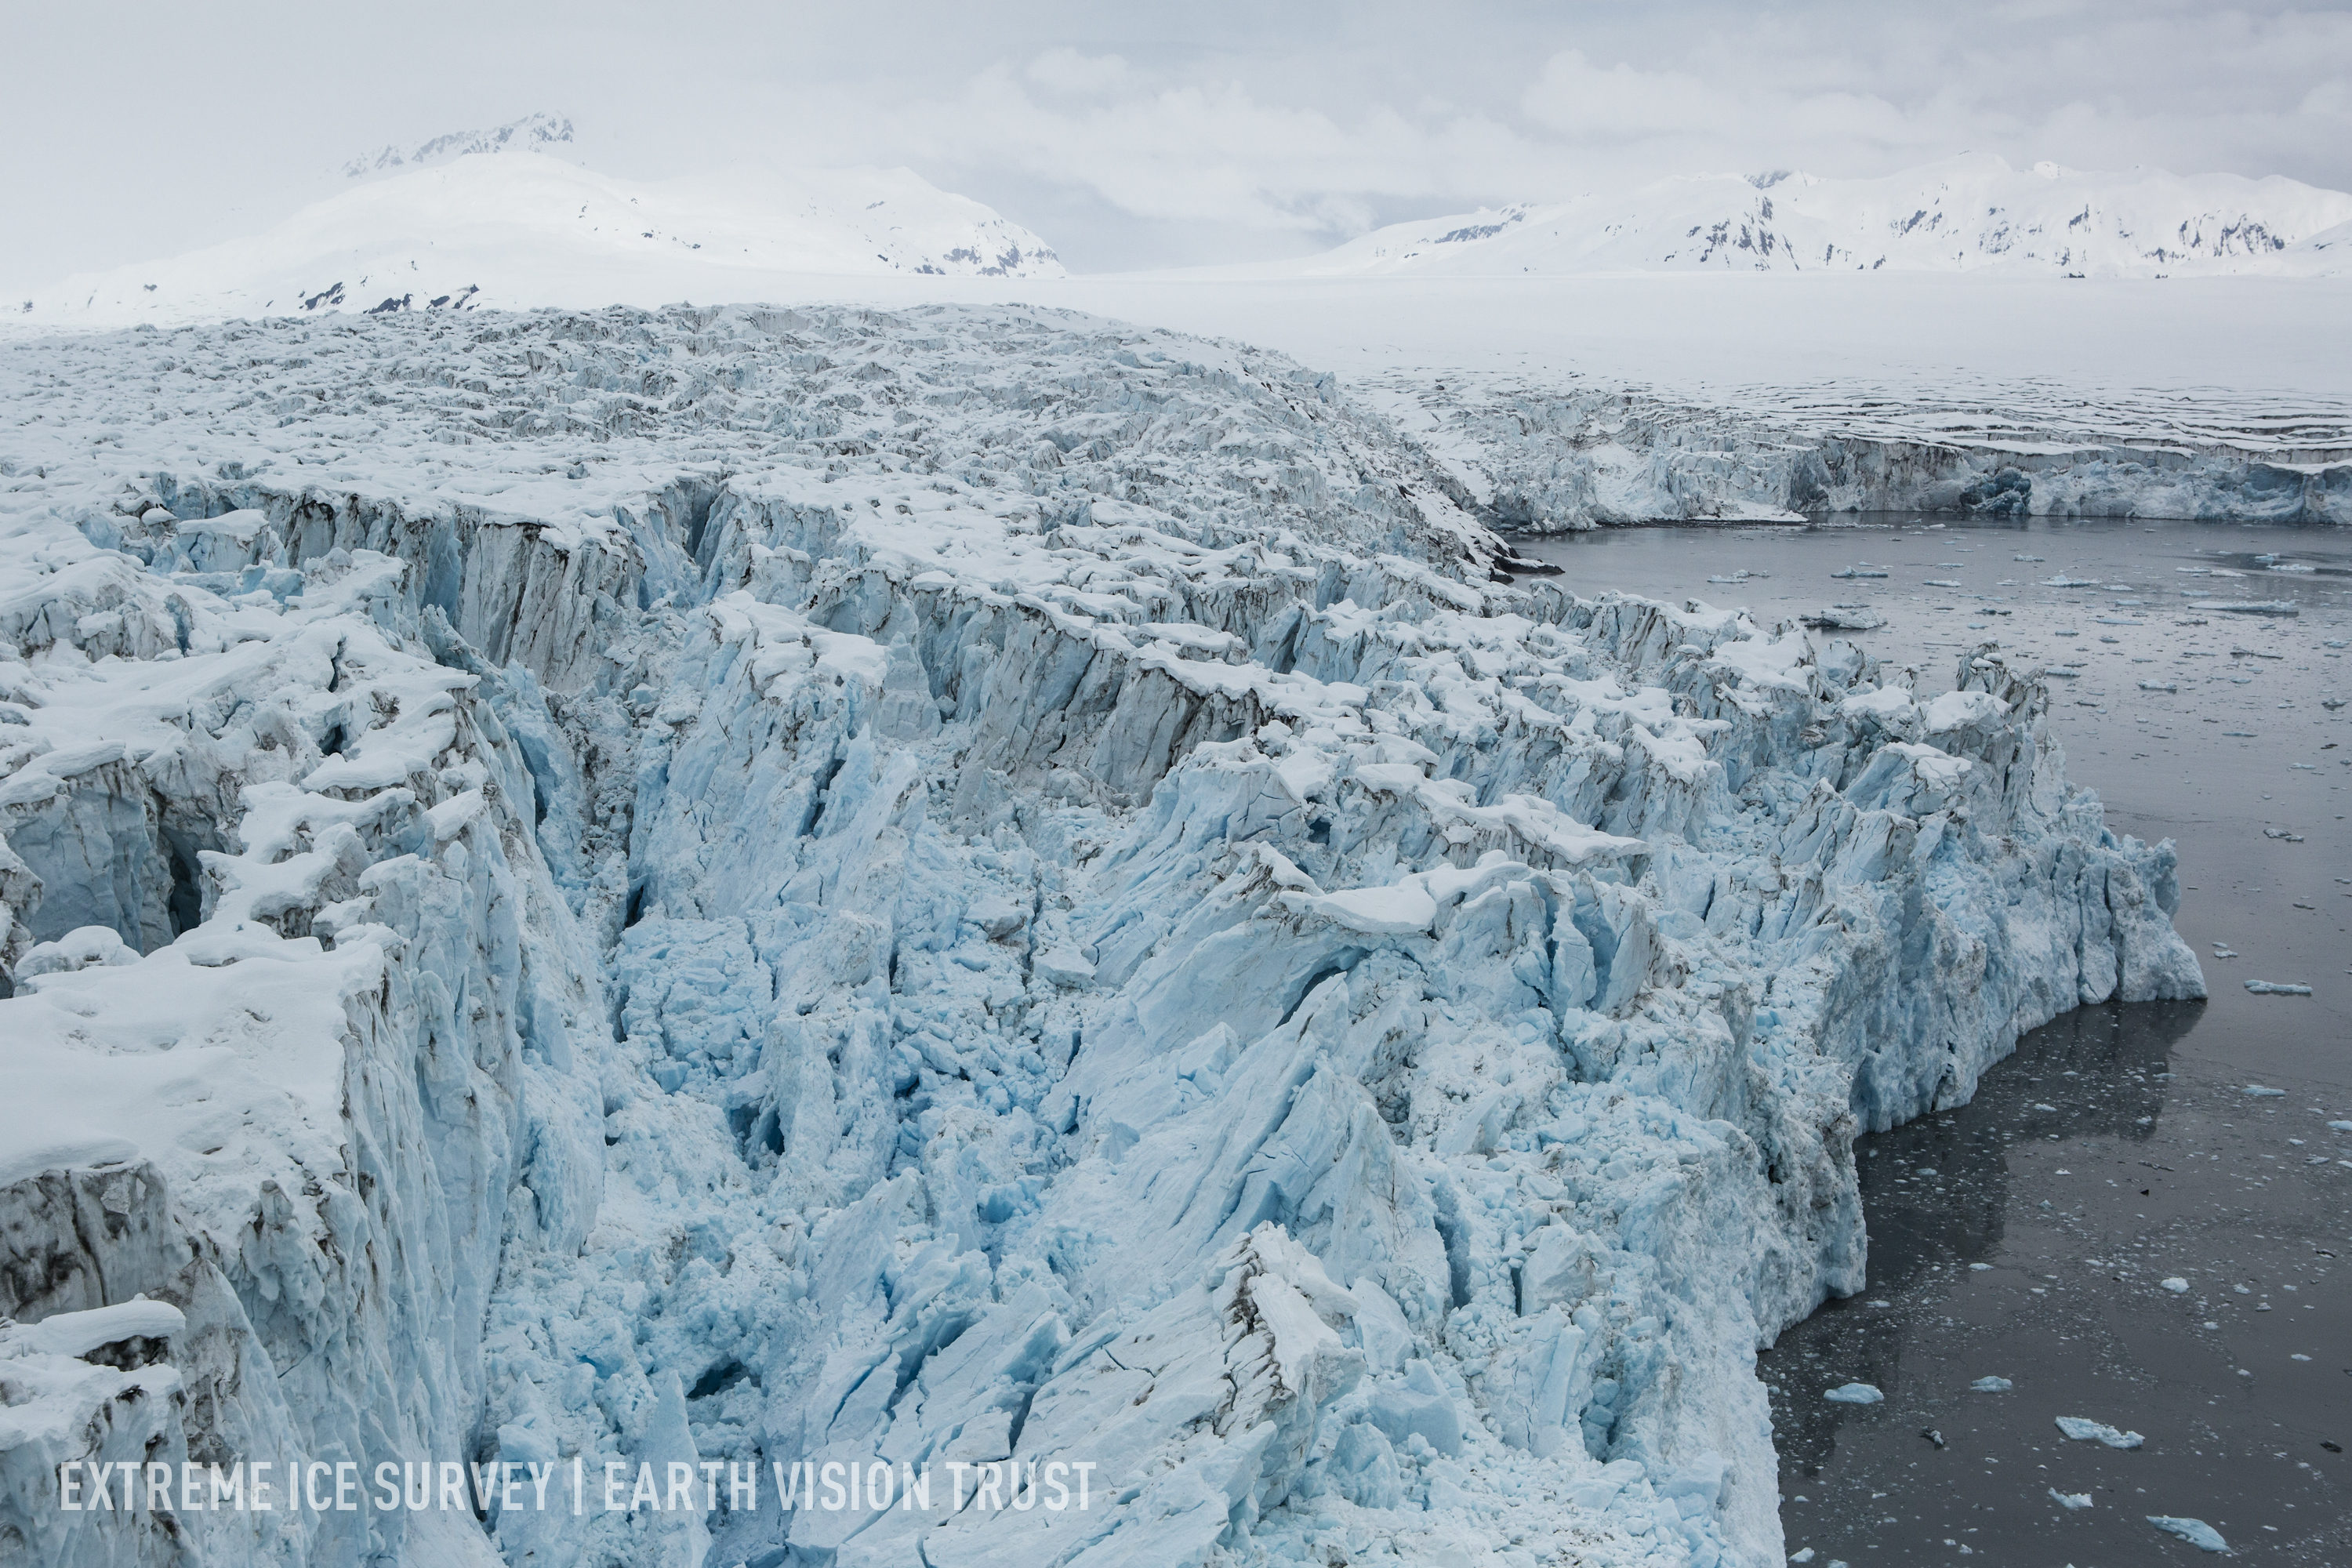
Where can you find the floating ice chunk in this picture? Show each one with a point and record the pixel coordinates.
(2258, 1093)
(1854, 1394)
(1942, 582)
(2071, 1501)
(2340, 1127)
(1843, 618)
(1862, 570)
(2277, 988)
(2022, 557)
(2258, 606)
(2195, 1531)
(2086, 1431)
(2176, 1284)
(2062, 581)
(1802, 1554)
(1992, 1384)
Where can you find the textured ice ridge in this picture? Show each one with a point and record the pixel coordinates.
(753, 885)
(1559, 455)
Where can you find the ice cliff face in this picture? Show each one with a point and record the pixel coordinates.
(955, 886)
(1562, 453)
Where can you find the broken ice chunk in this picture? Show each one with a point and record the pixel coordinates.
(1854, 1394)
(2176, 1284)
(1992, 1385)
(2277, 988)
(2070, 1499)
(1064, 966)
(2086, 1431)
(2195, 1531)
(2258, 1091)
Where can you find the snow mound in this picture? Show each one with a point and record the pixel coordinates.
(527, 229)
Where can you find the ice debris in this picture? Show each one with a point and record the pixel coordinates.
(2084, 1431)
(2277, 988)
(2176, 1284)
(1854, 1394)
(2070, 1500)
(2195, 1531)
(1992, 1385)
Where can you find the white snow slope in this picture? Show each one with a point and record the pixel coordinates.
(743, 884)
(1961, 214)
(521, 227)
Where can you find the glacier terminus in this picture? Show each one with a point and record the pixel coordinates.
(967, 886)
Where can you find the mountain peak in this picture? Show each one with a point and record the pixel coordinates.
(532, 132)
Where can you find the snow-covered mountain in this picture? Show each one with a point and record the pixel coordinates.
(531, 133)
(1960, 215)
(524, 228)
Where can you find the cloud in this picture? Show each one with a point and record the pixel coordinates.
(1267, 127)
(1066, 70)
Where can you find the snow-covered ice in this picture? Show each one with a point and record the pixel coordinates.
(2195, 1531)
(1854, 1394)
(2084, 1430)
(968, 884)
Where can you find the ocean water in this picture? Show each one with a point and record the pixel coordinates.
(2030, 1235)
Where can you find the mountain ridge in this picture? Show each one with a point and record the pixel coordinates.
(1962, 214)
(523, 229)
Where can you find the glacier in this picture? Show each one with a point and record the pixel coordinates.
(1555, 452)
(969, 884)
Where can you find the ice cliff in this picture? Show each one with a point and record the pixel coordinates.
(724, 884)
(1560, 453)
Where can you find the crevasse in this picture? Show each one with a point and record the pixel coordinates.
(750, 885)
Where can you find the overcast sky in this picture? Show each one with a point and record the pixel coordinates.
(1137, 135)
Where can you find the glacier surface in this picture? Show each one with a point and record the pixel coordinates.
(961, 885)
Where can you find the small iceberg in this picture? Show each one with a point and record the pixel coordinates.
(1843, 618)
(1864, 569)
(2177, 1285)
(1854, 1394)
(1992, 1385)
(2195, 1531)
(2086, 1431)
(2070, 1499)
(2277, 988)
(2257, 607)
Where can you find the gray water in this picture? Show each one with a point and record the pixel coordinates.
(2028, 1234)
